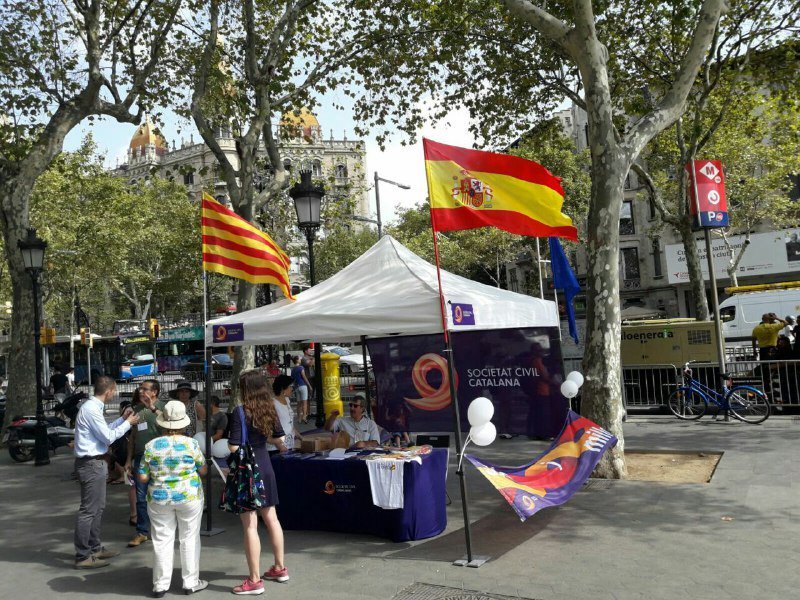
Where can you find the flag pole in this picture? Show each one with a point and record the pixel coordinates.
(209, 530)
(469, 560)
(539, 268)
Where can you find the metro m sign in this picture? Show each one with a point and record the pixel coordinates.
(706, 192)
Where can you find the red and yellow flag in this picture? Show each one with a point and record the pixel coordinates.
(235, 247)
(471, 188)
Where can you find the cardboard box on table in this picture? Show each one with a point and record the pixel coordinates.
(316, 442)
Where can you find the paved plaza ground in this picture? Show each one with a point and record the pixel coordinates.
(736, 537)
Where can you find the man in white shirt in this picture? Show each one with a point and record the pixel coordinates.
(93, 436)
(362, 430)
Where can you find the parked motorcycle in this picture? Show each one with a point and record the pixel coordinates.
(21, 436)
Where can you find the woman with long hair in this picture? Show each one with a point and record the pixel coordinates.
(263, 427)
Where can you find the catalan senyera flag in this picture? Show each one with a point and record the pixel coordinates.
(472, 188)
(554, 476)
(235, 247)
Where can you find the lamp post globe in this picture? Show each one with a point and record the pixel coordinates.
(307, 203)
(33, 249)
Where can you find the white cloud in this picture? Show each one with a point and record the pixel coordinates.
(406, 164)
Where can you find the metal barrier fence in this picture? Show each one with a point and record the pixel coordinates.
(649, 386)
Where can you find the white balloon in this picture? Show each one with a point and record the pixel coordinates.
(220, 449)
(569, 389)
(200, 436)
(577, 377)
(483, 435)
(480, 411)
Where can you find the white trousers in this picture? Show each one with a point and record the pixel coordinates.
(164, 519)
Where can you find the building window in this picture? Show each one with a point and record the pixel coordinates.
(188, 178)
(568, 121)
(657, 272)
(287, 165)
(341, 172)
(630, 264)
(513, 282)
(651, 205)
(316, 169)
(626, 226)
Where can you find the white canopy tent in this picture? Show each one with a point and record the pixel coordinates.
(388, 290)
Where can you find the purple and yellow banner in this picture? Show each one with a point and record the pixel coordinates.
(552, 478)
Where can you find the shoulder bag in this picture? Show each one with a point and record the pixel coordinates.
(244, 490)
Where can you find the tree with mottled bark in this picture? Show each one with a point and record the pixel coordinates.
(259, 60)
(62, 62)
(510, 61)
(750, 58)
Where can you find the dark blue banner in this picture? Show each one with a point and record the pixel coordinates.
(519, 370)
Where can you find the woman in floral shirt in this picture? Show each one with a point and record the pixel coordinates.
(172, 464)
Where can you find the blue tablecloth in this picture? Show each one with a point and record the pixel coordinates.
(334, 495)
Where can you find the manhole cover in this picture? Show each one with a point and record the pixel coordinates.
(426, 591)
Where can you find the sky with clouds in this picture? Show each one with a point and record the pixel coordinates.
(397, 162)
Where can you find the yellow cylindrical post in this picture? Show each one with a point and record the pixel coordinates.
(331, 390)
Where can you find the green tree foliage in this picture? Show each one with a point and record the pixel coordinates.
(757, 138)
(128, 252)
(62, 62)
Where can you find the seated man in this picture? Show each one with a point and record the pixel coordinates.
(219, 420)
(363, 431)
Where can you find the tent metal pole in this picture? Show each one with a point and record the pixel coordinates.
(366, 375)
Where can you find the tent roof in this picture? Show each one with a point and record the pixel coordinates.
(388, 290)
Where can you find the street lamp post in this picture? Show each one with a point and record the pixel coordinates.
(33, 248)
(307, 202)
(378, 178)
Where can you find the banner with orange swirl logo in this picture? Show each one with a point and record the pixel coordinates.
(518, 369)
(430, 397)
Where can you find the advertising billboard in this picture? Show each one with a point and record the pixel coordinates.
(772, 253)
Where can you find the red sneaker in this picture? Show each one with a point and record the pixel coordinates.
(249, 588)
(276, 574)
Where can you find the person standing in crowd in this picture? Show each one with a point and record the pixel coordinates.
(59, 384)
(788, 331)
(362, 430)
(71, 377)
(194, 410)
(93, 436)
(171, 466)
(148, 409)
(263, 427)
(301, 388)
(219, 420)
(282, 388)
(765, 335)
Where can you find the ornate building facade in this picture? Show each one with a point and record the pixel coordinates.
(340, 163)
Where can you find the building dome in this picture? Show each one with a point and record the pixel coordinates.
(300, 124)
(147, 134)
(302, 118)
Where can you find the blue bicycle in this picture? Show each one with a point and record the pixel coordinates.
(746, 403)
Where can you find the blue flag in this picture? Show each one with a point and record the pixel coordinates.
(564, 279)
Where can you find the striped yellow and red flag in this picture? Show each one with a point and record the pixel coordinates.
(235, 247)
(471, 188)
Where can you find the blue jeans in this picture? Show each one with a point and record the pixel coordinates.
(142, 518)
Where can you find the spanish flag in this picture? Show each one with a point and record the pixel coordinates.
(471, 188)
(235, 247)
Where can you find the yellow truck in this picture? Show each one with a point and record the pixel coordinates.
(668, 342)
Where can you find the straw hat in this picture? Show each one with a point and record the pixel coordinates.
(173, 416)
